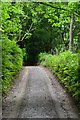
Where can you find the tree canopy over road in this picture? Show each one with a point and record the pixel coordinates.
(42, 25)
(29, 28)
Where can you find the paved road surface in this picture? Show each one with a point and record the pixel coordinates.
(37, 94)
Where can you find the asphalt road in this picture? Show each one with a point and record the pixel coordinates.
(38, 94)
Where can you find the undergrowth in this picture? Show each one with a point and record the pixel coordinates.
(12, 59)
(66, 66)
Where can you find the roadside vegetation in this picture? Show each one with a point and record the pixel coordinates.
(31, 28)
(65, 66)
(12, 61)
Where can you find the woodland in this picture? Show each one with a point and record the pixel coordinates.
(46, 33)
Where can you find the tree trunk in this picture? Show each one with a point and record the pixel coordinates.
(71, 34)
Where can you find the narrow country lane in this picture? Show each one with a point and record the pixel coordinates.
(37, 94)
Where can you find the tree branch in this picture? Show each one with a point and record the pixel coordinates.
(53, 6)
(75, 12)
(26, 32)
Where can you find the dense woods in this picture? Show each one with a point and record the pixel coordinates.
(29, 28)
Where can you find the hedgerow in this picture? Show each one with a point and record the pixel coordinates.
(66, 67)
(12, 59)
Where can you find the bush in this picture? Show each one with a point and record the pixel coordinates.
(66, 67)
(43, 57)
(11, 62)
(25, 56)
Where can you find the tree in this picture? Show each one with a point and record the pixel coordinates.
(71, 34)
(45, 24)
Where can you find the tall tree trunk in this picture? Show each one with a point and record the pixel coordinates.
(71, 34)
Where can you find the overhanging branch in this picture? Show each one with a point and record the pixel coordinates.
(26, 32)
(75, 12)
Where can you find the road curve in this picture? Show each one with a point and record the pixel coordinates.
(37, 94)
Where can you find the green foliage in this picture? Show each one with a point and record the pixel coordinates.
(11, 62)
(25, 55)
(39, 27)
(66, 67)
(43, 57)
(11, 24)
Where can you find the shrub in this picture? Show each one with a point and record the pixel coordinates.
(25, 56)
(11, 62)
(66, 67)
(43, 57)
